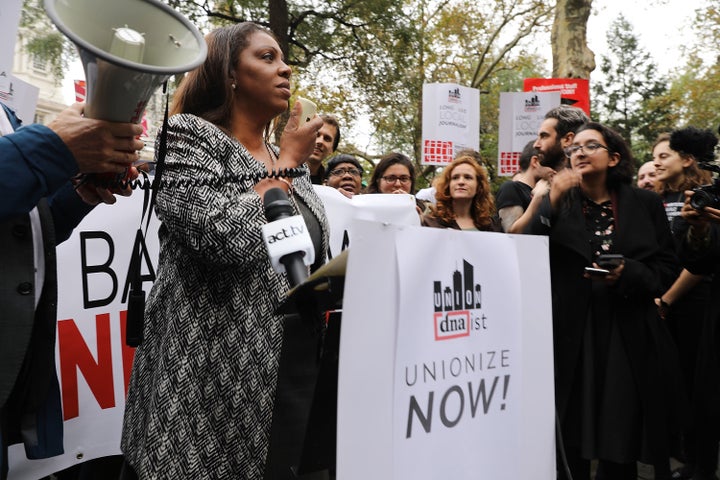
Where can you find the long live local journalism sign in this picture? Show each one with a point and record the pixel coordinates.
(521, 114)
(450, 121)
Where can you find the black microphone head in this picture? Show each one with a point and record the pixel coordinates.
(277, 204)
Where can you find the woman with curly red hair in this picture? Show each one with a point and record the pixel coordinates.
(463, 198)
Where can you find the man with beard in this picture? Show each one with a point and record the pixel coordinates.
(556, 133)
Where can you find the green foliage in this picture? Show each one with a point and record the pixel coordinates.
(44, 41)
(693, 91)
(628, 98)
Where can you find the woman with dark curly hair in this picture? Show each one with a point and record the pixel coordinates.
(463, 198)
(616, 372)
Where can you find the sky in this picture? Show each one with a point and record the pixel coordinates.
(661, 26)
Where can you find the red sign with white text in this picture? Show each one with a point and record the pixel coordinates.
(573, 91)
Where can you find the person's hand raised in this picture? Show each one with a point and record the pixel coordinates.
(562, 182)
(297, 141)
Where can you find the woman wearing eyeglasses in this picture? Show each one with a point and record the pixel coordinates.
(394, 173)
(616, 372)
(344, 173)
(463, 198)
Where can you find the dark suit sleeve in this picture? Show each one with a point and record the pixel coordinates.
(68, 210)
(34, 163)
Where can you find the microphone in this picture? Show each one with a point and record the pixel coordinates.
(286, 237)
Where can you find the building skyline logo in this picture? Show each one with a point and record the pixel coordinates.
(454, 95)
(532, 104)
(455, 303)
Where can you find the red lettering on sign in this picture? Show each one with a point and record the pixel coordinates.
(75, 356)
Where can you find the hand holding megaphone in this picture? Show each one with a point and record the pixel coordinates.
(128, 50)
(98, 146)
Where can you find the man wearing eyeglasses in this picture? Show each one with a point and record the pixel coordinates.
(344, 173)
(328, 139)
(556, 133)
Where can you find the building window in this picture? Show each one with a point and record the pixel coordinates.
(39, 118)
(39, 65)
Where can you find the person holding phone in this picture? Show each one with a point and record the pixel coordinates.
(204, 387)
(614, 371)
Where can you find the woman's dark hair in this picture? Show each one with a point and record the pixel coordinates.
(622, 172)
(386, 162)
(693, 175)
(207, 91)
(691, 141)
(483, 206)
(342, 158)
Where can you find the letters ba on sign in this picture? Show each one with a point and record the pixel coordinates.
(451, 121)
(521, 114)
(93, 361)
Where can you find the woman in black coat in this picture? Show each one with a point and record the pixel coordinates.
(615, 363)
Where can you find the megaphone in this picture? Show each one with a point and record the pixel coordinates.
(128, 48)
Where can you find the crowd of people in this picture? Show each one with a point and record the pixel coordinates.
(633, 267)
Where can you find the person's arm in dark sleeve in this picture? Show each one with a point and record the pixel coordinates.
(68, 210)
(34, 163)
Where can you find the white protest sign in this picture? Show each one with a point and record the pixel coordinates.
(451, 121)
(521, 114)
(341, 211)
(20, 96)
(460, 379)
(93, 362)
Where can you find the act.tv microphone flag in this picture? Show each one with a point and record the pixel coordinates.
(286, 237)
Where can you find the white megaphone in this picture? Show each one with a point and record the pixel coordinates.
(128, 49)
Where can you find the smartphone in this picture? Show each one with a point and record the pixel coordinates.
(609, 261)
(596, 272)
(308, 110)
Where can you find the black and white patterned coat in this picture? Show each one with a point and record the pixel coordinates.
(203, 380)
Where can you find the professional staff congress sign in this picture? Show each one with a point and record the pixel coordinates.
(460, 379)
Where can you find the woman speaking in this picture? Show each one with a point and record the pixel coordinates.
(204, 379)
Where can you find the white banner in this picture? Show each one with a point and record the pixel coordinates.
(501, 356)
(521, 114)
(451, 121)
(20, 96)
(93, 361)
(460, 378)
(342, 211)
